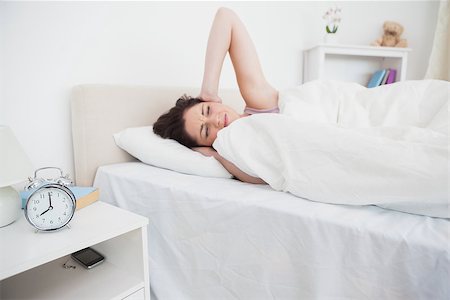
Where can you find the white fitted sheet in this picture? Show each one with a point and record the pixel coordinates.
(213, 238)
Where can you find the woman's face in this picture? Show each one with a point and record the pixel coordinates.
(205, 119)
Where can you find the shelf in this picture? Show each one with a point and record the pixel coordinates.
(353, 63)
(31, 264)
(106, 281)
(31, 249)
(357, 50)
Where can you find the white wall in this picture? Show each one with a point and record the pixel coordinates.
(46, 48)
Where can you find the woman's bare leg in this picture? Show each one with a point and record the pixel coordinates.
(228, 34)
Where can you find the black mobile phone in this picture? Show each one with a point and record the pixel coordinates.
(88, 257)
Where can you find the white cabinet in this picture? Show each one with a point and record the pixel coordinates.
(31, 264)
(352, 63)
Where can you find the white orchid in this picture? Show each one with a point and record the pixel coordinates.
(333, 18)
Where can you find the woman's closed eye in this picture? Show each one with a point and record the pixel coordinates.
(204, 128)
(206, 112)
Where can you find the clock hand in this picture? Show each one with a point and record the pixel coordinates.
(50, 204)
(50, 199)
(45, 211)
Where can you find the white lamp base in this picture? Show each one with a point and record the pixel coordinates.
(10, 205)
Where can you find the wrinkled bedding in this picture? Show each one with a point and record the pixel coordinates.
(342, 143)
(216, 238)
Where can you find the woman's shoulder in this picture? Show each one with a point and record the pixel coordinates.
(252, 111)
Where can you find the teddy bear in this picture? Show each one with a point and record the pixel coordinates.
(391, 37)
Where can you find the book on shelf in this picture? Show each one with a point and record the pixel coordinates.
(84, 195)
(377, 78)
(391, 76)
(383, 76)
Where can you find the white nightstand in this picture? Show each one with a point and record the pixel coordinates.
(31, 264)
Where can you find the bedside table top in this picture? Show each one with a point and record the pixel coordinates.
(21, 248)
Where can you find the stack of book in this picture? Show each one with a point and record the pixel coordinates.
(84, 195)
(380, 77)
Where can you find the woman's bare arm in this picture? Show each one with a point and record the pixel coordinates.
(229, 166)
(228, 34)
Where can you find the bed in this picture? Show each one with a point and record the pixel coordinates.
(217, 238)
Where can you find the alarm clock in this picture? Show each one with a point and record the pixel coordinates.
(51, 204)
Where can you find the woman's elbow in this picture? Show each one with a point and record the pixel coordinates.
(225, 12)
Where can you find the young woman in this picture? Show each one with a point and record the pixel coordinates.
(194, 122)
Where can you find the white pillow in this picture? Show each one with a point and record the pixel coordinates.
(152, 149)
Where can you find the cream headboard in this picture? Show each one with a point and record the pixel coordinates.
(99, 111)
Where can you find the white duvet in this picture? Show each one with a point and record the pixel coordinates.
(342, 143)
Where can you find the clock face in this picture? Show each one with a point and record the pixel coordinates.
(50, 207)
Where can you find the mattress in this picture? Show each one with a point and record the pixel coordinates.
(213, 238)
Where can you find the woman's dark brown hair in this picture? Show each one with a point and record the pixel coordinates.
(171, 125)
